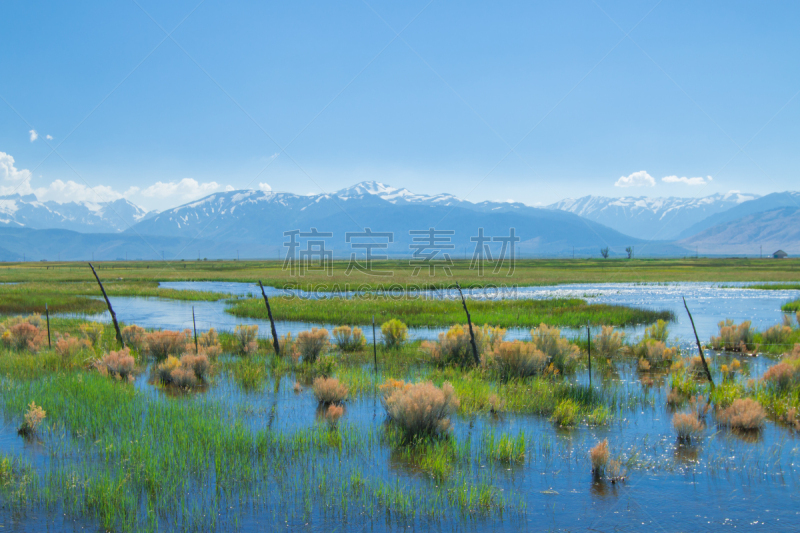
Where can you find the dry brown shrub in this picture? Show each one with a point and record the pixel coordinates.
(786, 374)
(286, 344)
(67, 347)
(162, 344)
(496, 404)
(135, 337)
(562, 355)
(209, 343)
(310, 344)
(333, 413)
(197, 363)
(25, 336)
(608, 342)
(420, 408)
(733, 337)
(778, 334)
(599, 455)
(349, 339)
(687, 425)
(674, 398)
(297, 387)
(118, 364)
(189, 371)
(743, 413)
(518, 359)
(246, 339)
(454, 346)
(329, 390)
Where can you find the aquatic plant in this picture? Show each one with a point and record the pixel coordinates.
(567, 413)
(119, 364)
(349, 339)
(395, 333)
(562, 355)
(329, 391)
(310, 344)
(729, 371)
(518, 359)
(135, 337)
(92, 331)
(732, 337)
(248, 372)
(658, 331)
(34, 415)
(162, 344)
(506, 449)
(608, 343)
(297, 387)
(245, 338)
(419, 409)
(744, 414)
(599, 456)
(286, 344)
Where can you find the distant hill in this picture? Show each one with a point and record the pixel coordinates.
(651, 218)
(767, 230)
(757, 205)
(56, 244)
(87, 217)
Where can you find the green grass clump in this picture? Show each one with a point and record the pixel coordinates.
(791, 307)
(566, 414)
(506, 449)
(421, 311)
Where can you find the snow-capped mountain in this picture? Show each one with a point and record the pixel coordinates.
(256, 220)
(86, 217)
(651, 218)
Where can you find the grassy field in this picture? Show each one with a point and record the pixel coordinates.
(74, 297)
(572, 312)
(528, 272)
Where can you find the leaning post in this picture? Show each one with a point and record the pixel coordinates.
(589, 340)
(108, 303)
(194, 327)
(699, 347)
(275, 343)
(469, 323)
(47, 314)
(374, 345)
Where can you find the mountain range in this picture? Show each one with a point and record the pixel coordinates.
(85, 217)
(250, 223)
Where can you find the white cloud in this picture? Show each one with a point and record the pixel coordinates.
(264, 187)
(637, 179)
(48, 137)
(229, 188)
(34, 135)
(687, 181)
(9, 172)
(186, 189)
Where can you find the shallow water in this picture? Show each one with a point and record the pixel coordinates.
(723, 480)
(709, 302)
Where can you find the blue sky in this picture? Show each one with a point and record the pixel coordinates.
(504, 100)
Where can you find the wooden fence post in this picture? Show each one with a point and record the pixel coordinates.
(469, 323)
(47, 314)
(699, 346)
(108, 303)
(194, 326)
(275, 343)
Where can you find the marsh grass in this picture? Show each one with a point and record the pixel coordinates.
(420, 311)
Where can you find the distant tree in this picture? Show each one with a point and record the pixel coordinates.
(604, 252)
(629, 249)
